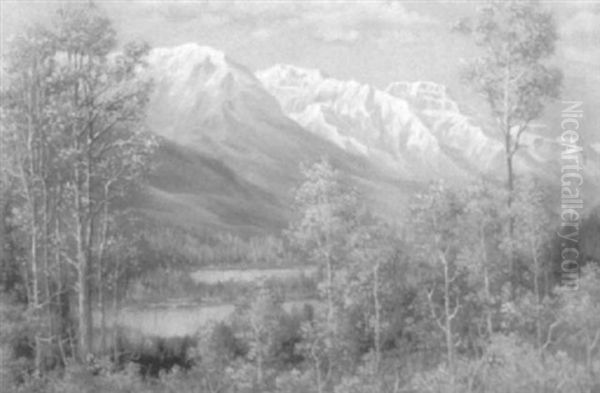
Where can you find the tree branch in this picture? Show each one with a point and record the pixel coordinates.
(432, 309)
(595, 341)
(553, 326)
(456, 308)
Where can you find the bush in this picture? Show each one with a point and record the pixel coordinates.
(509, 364)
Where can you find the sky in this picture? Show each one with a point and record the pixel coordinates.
(372, 41)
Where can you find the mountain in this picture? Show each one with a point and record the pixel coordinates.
(415, 127)
(229, 157)
(232, 141)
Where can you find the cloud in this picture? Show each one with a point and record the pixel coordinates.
(580, 34)
(262, 34)
(347, 22)
(582, 29)
(332, 35)
(227, 12)
(405, 37)
(327, 21)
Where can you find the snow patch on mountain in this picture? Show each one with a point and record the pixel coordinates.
(433, 104)
(200, 90)
(407, 121)
(347, 110)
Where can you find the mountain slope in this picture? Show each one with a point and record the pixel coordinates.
(229, 157)
(415, 127)
(232, 142)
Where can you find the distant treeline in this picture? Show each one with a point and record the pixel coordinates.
(169, 246)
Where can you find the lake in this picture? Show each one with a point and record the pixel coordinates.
(177, 320)
(215, 276)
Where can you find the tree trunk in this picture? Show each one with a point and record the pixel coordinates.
(101, 283)
(448, 319)
(258, 349)
(486, 283)
(538, 299)
(85, 347)
(330, 318)
(329, 294)
(317, 369)
(511, 222)
(591, 344)
(115, 311)
(29, 180)
(377, 326)
(49, 301)
(508, 142)
(259, 364)
(35, 302)
(102, 306)
(89, 221)
(488, 306)
(510, 182)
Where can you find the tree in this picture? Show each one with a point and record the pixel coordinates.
(105, 99)
(328, 213)
(437, 237)
(481, 225)
(532, 236)
(28, 138)
(217, 349)
(367, 284)
(509, 364)
(73, 109)
(263, 320)
(581, 313)
(517, 37)
(314, 346)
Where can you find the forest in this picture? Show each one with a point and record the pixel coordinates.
(476, 289)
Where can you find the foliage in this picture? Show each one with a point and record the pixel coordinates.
(517, 36)
(75, 149)
(176, 247)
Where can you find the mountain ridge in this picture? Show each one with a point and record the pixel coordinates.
(232, 155)
(392, 123)
(233, 140)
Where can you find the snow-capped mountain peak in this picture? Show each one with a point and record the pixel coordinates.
(427, 95)
(414, 128)
(190, 53)
(207, 87)
(291, 74)
(410, 124)
(182, 62)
